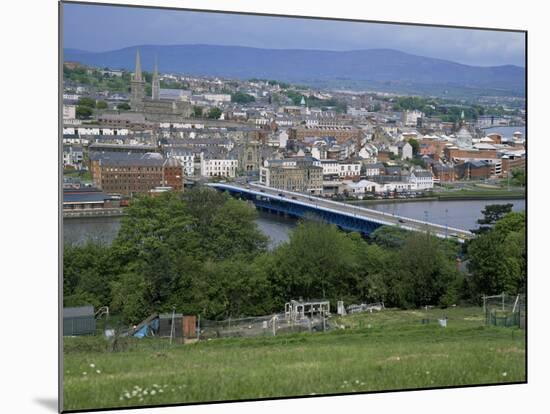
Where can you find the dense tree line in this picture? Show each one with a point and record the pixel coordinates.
(242, 98)
(202, 253)
(94, 78)
(498, 256)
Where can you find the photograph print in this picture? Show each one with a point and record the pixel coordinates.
(261, 206)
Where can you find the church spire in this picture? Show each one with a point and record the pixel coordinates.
(155, 95)
(137, 86)
(137, 73)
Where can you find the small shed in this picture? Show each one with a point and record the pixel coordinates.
(185, 326)
(79, 321)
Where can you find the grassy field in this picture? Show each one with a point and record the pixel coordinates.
(366, 352)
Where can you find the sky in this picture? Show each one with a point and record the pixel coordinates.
(101, 28)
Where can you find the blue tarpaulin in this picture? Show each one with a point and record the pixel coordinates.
(149, 329)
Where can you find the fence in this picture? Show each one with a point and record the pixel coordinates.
(505, 310)
(269, 325)
(365, 307)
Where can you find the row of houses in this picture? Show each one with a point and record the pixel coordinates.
(319, 177)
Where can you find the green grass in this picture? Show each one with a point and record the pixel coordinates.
(83, 175)
(367, 352)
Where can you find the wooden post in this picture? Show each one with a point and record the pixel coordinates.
(199, 327)
(515, 304)
(172, 327)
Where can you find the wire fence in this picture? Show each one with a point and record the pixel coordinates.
(269, 325)
(505, 310)
(365, 307)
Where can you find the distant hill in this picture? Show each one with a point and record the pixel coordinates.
(355, 69)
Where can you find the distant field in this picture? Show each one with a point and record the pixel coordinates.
(368, 352)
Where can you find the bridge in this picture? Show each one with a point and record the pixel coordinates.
(345, 216)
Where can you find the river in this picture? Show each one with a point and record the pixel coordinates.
(104, 229)
(458, 214)
(505, 131)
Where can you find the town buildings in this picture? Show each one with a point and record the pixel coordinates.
(134, 173)
(273, 138)
(301, 174)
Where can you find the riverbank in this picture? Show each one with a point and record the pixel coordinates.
(450, 196)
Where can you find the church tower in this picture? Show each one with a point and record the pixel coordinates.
(463, 136)
(155, 83)
(137, 86)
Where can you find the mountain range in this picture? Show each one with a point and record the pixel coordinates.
(356, 69)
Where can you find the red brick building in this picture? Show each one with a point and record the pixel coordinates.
(136, 173)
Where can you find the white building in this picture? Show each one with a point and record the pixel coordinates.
(186, 158)
(217, 97)
(368, 152)
(71, 97)
(349, 170)
(360, 188)
(69, 112)
(405, 150)
(73, 156)
(421, 180)
(373, 169)
(95, 130)
(319, 151)
(410, 118)
(174, 94)
(333, 167)
(330, 167)
(283, 139)
(218, 167)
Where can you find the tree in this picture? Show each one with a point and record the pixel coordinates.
(129, 297)
(235, 288)
(83, 112)
(375, 271)
(84, 101)
(168, 245)
(233, 232)
(491, 214)
(215, 113)
(425, 271)
(124, 106)
(497, 257)
(319, 261)
(415, 146)
(242, 98)
(389, 236)
(87, 270)
(102, 105)
(518, 176)
(197, 111)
